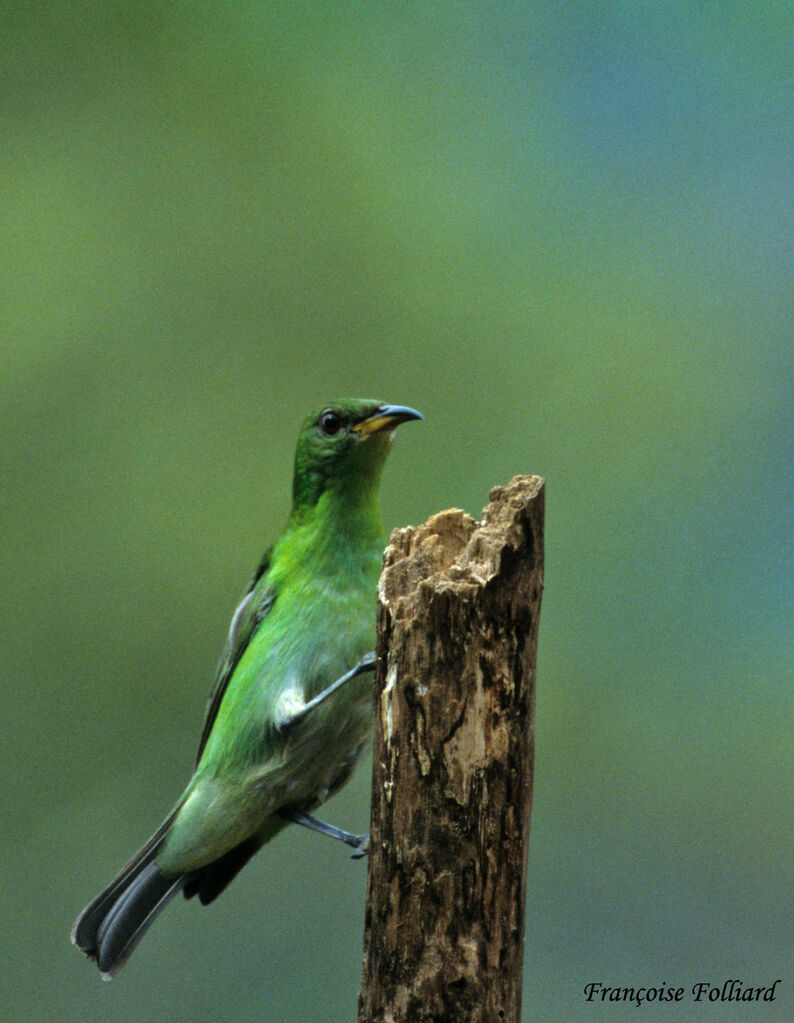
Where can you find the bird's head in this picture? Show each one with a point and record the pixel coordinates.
(343, 447)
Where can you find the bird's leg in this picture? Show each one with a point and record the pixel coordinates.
(294, 716)
(360, 843)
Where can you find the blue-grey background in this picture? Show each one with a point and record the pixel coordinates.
(563, 232)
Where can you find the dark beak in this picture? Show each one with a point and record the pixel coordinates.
(387, 417)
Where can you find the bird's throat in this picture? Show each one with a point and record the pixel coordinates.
(342, 528)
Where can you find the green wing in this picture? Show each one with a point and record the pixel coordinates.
(250, 612)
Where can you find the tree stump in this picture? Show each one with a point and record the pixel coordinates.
(458, 611)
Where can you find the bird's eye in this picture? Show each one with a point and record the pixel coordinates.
(330, 423)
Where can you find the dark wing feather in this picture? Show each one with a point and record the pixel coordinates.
(246, 619)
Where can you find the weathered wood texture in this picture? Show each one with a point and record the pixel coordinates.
(458, 610)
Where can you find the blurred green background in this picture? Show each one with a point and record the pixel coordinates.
(563, 232)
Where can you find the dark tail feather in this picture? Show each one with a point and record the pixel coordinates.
(210, 881)
(111, 926)
(132, 916)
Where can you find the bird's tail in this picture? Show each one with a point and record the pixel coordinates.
(111, 926)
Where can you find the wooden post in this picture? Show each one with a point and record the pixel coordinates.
(458, 610)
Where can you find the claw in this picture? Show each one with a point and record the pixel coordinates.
(361, 849)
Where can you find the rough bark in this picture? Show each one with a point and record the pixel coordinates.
(458, 610)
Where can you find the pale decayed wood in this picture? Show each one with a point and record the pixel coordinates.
(458, 611)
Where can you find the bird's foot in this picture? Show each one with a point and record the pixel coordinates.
(359, 843)
(294, 713)
(361, 848)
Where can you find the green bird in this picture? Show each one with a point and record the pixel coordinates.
(290, 711)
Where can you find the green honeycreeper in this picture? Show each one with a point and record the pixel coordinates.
(290, 712)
